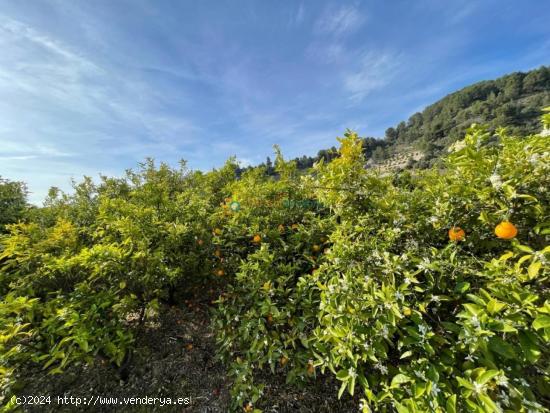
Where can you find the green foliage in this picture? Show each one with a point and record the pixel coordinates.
(86, 264)
(13, 202)
(391, 307)
(366, 289)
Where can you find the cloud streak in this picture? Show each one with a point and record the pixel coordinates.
(375, 71)
(340, 21)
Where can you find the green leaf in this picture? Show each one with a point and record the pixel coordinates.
(342, 389)
(420, 389)
(473, 309)
(529, 346)
(465, 383)
(493, 307)
(342, 374)
(533, 269)
(501, 347)
(462, 287)
(490, 404)
(525, 248)
(399, 379)
(542, 321)
(486, 376)
(351, 385)
(400, 408)
(451, 404)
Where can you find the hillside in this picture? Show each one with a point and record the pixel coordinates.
(513, 101)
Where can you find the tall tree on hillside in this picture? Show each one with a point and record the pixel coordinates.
(13, 202)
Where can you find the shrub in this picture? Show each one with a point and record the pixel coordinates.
(418, 322)
(71, 277)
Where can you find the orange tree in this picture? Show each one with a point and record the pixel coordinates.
(273, 237)
(415, 320)
(70, 277)
(420, 323)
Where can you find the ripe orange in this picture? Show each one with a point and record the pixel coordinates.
(256, 238)
(269, 319)
(457, 234)
(218, 253)
(220, 273)
(506, 230)
(189, 347)
(283, 360)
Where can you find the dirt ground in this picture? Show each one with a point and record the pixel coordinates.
(175, 357)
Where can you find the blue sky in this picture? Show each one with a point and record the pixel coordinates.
(89, 87)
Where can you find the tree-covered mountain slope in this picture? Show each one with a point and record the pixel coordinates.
(513, 101)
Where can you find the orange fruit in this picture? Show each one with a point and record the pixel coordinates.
(316, 248)
(218, 253)
(310, 368)
(200, 241)
(220, 273)
(189, 347)
(506, 230)
(283, 360)
(248, 408)
(294, 226)
(256, 238)
(281, 227)
(457, 234)
(269, 319)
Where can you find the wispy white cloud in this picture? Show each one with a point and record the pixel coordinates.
(338, 21)
(20, 30)
(300, 14)
(375, 71)
(60, 110)
(326, 52)
(17, 158)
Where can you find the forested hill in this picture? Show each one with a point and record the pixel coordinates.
(514, 101)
